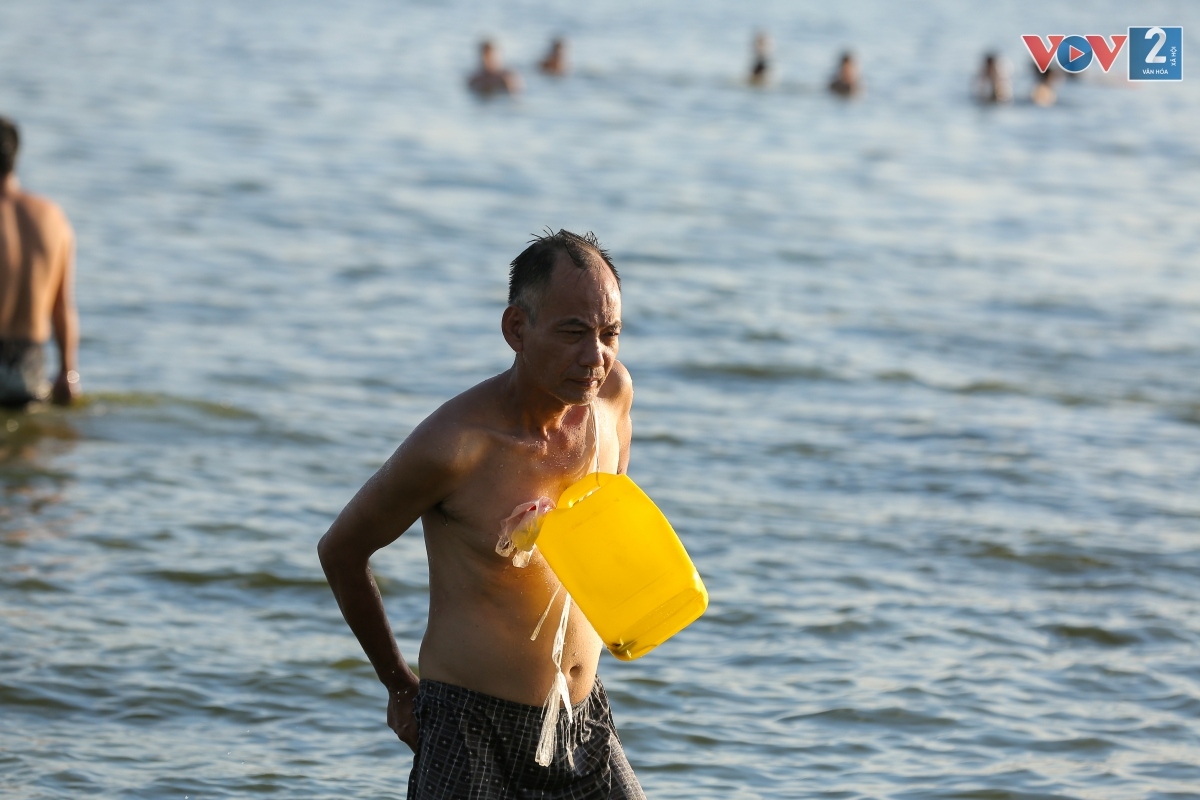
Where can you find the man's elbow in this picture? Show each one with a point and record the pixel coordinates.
(339, 552)
(329, 553)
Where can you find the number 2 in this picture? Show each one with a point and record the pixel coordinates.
(1153, 57)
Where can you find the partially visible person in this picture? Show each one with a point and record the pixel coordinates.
(760, 68)
(37, 266)
(846, 81)
(1043, 86)
(555, 62)
(492, 77)
(992, 84)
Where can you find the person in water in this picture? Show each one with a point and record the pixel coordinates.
(560, 412)
(492, 77)
(555, 62)
(992, 84)
(37, 275)
(847, 80)
(1043, 93)
(760, 67)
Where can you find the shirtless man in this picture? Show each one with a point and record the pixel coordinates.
(37, 266)
(846, 81)
(555, 62)
(1043, 93)
(492, 77)
(561, 411)
(760, 67)
(992, 85)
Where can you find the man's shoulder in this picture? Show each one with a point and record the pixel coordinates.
(459, 433)
(618, 387)
(43, 210)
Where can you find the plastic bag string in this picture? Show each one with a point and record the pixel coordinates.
(595, 441)
(559, 698)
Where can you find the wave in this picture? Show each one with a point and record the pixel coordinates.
(759, 372)
(102, 401)
(891, 717)
(258, 579)
(1093, 634)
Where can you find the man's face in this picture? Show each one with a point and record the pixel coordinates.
(572, 345)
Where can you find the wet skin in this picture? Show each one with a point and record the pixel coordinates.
(37, 275)
(519, 435)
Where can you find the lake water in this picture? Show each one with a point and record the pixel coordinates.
(918, 383)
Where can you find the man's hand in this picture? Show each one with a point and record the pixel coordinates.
(66, 387)
(400, 714)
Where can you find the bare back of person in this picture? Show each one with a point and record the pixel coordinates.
(37, 253)
(36, 247)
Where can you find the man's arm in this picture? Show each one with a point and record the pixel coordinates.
(415, 479)
(65, 319)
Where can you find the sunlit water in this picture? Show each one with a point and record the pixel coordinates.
(918, 384)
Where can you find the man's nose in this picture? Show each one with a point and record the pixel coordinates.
(593, 353)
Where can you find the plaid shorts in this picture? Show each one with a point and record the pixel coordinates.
(22, 373)
(472, 746)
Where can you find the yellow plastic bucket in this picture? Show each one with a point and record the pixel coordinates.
(620, 559)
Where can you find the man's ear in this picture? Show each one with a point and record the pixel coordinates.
(513, 325)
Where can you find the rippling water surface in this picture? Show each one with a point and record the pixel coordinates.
(918, 384)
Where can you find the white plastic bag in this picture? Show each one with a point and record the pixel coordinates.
(518, 534)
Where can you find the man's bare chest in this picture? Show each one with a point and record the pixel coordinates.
(512, 476)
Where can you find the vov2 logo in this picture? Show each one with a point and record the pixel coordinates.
(1155, 53)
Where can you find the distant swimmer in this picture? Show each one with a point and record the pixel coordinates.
(992, 84)
(555, 62)
(760, 68)
(847, 81)
(37, 274)
(1043, 86)
(492, 77)
(474, 718)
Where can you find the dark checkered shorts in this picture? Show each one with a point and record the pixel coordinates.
(472, 746)
(22, 373)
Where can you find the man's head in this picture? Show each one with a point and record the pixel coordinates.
(564, 315)
(488, 56)
(10, 140)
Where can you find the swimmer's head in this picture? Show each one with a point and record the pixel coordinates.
(762, 43)
(10, 141)
(488, 55)
(564, 315)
